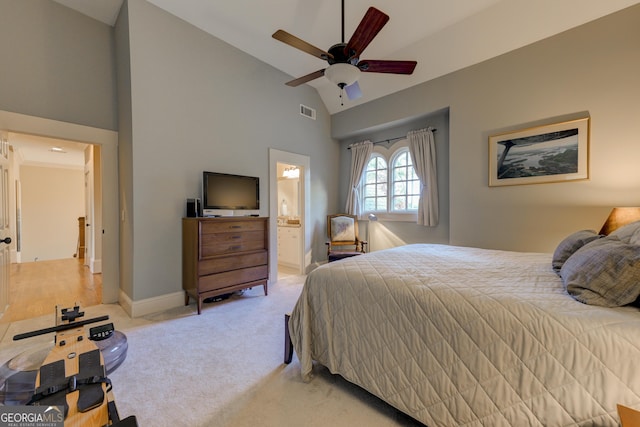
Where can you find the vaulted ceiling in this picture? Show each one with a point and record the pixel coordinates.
(441, 35)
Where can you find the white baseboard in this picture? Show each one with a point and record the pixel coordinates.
(95, 266)
(150, 305)
(289, 265)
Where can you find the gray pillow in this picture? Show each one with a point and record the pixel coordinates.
(569, 245)
(625, 232)
(604, 272)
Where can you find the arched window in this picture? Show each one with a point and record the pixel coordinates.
(390, 185)
(375, 185)
(404, 183)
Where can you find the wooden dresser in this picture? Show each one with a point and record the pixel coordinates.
(222, 255)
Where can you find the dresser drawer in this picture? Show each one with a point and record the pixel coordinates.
(209, 227)
(231, 278)
(222, 255)
(233, 262)
(225, 243)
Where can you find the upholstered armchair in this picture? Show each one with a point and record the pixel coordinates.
(342, 230)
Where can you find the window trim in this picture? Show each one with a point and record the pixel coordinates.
(389, 155)
(391, 182)
(362, 185)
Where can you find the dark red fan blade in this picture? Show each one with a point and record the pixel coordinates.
(294, 41)
(381, 66)
(304, 79)
(368, 28)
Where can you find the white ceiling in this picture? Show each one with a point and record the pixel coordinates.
(35, 150)
(442, 35)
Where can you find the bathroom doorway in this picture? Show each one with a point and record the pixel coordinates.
(289, 222)
(289, 212)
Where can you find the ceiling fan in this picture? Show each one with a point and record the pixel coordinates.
(344, 61)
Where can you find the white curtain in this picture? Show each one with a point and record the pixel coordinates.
(360, 154)
(422, 148)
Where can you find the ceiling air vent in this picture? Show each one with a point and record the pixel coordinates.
(307, 111)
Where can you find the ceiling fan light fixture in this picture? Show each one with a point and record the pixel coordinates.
(342, 74)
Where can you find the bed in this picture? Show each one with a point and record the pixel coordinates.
(466, 336)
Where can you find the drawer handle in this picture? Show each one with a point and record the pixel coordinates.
(237, 236)
(235, 248)
(235, 226)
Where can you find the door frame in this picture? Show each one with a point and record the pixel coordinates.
(108, 142)
(5, 222)
(275, 157)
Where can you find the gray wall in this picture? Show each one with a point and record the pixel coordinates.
(393, 233)
(590, 70)
(213, 107)
(205, 107)
(56, 64)
(125, 150)
(57, 79)
(184, 102)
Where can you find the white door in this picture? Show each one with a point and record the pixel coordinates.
(5, 240)
(88, 218)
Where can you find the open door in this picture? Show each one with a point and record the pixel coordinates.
(88, 217)
(5, 239)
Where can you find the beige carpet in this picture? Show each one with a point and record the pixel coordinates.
(222, 368)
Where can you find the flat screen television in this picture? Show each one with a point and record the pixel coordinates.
(228, 195)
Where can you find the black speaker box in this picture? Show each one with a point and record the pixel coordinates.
(193, 208)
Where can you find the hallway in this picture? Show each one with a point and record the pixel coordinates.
(36, 288)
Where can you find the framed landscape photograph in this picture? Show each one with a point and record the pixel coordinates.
(551, 153)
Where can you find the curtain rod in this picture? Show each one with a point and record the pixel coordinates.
(388, 140)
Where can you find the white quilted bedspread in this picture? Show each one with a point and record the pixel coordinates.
(471, 337)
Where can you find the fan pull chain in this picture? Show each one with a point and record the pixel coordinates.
(341, 99)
